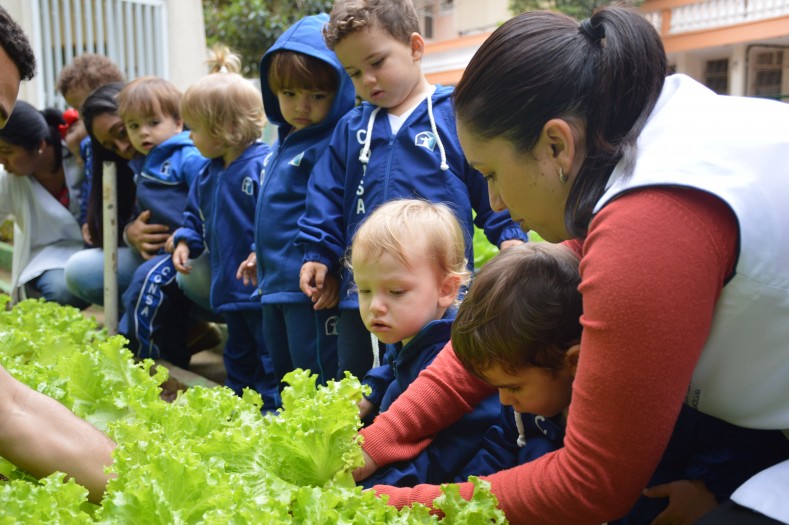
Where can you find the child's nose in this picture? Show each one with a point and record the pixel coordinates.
(504, 397)
(377, 306)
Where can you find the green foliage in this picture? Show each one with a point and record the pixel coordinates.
(209, 457)
(250, 27)
(578, 9)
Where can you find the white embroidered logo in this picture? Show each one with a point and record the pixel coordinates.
(331, 325)
(296, 161)
(425, 139)
(247, 186)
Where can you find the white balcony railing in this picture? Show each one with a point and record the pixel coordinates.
(711, 14)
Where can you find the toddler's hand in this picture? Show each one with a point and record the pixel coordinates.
(365, 408)
(688, 500)
(319, 285)
(247, 270)
(181, 258)
(367, 470)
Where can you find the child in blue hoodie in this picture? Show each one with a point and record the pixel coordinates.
(409, 264)
(305, 92)
(225, 115)
(519, 329)
(154, 320)
(400, 143)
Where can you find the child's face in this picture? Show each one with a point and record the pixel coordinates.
(534, 390)
(148, 131)
(384, 70)
(209, 146)
(395, 300)
(302, 108)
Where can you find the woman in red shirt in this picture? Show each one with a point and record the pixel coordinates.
(677, 199)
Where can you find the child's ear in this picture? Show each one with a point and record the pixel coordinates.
(571, 357)
(417, 44)
(179, 124)
(448, 293)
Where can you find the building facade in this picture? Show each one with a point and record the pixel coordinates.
(736, 47)
(165, 38)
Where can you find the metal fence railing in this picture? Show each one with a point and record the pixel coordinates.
(132, 33)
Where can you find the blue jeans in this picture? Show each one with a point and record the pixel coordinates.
(197, 285)
(84, 273)
(51, 285)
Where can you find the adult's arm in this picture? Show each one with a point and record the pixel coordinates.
(41, 436)
(653, 267)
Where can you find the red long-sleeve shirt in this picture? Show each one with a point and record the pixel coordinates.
(652, 268)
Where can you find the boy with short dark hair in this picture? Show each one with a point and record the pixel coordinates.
(401, 142)
(519, 330)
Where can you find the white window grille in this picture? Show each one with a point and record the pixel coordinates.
(131, 33)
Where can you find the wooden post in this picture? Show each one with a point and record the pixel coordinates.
(109, 192)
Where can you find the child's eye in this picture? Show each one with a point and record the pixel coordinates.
(132, 126)
(363, 291)
(490, 177)
(377, 63)
(397, 292)
(513, 389)
(319, 96)
(288, 93)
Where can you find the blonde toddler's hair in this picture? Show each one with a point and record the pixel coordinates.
(433, 227)
(228, 106)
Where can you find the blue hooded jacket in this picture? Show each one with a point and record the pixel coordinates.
(219, 219)
(454, 446)
(164, 176)
(283, 190)
(361, 171)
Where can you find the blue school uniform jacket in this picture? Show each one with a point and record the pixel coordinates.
(360, 171)
(283, 186)
(219, 218)
(505, 445)
(164, 176)
(454, 446)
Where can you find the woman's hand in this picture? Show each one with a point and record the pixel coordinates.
(247, 270)
(146, 238)
(688, 500)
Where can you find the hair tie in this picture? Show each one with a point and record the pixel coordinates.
(70, 116)
(595, 33)
(223, 69)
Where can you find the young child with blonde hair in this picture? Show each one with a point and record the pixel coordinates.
(156, 319)
(409, 264)
(225, 115)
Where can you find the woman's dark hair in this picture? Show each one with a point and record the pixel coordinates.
(102, 100)
(27, 127)
(603, 77)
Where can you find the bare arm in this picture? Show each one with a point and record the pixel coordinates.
(41, 436)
